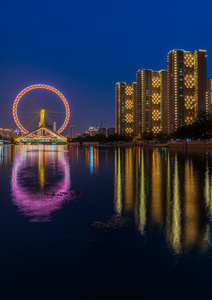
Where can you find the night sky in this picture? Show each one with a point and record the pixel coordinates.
(84, 47)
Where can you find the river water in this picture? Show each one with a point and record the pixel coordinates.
(118, 223)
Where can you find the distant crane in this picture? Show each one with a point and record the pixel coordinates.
(101, 125)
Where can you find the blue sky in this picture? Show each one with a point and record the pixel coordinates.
(83, 48)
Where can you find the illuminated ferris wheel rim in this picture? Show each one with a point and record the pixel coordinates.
(40, 86)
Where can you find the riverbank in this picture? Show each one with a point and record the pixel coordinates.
(171, 144)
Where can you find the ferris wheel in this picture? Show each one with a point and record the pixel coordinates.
(29, 103)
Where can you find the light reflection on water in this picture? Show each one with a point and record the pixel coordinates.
(143, 226)
(40, 180)
(166, 190)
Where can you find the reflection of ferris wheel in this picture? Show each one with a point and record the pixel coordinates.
(26, 113)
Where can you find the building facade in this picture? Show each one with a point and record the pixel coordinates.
(186, 86)
(209, 95)
(93, 130)
(110, 131)
(152, 105)
(72, 132)
(126, 108)
(7, 133)
(15, 134)
(102, 131)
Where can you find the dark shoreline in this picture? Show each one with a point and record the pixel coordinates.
(180, 144)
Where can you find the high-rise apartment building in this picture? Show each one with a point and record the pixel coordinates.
(152, 104)
(209, 95)
(186, 86)
(126, 108)
(144, 100)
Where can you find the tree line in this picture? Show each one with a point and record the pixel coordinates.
(200, 129)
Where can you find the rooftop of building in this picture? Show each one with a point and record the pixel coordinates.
(186, 50)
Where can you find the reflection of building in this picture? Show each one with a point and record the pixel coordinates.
(110, 131)
(118, 183)
(6, 154)
(156, 197)
(191, 208)
(165, 189)
(128, 180)
(92, 159)
(209, 95)
(186, 85)
(152, 109)
(72, 132)
(126, 108)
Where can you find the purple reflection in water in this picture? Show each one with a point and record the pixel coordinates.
(41, 202)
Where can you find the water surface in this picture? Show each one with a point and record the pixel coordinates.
(119, 223)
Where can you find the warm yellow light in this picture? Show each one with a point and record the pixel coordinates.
(189, 120)
(188, 59)
(189, 102)
(129, 90)
(156, 98)
(189, 80)
(129, 104)
(156, 129)
(156, 115)
(156, 81)
(129, 130)
(129, 118)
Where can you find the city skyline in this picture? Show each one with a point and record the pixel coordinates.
(148, 104)
(84, 49)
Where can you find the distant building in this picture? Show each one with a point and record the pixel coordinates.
(209, 95)
(54, 127)
(102, 131)
(86, 133)
(186, 86)
(7, 133)
(1, 132)
(126, 108)
(93, 130)
(72, 132)
(15, 134)
(20, 133)
(110, 131)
